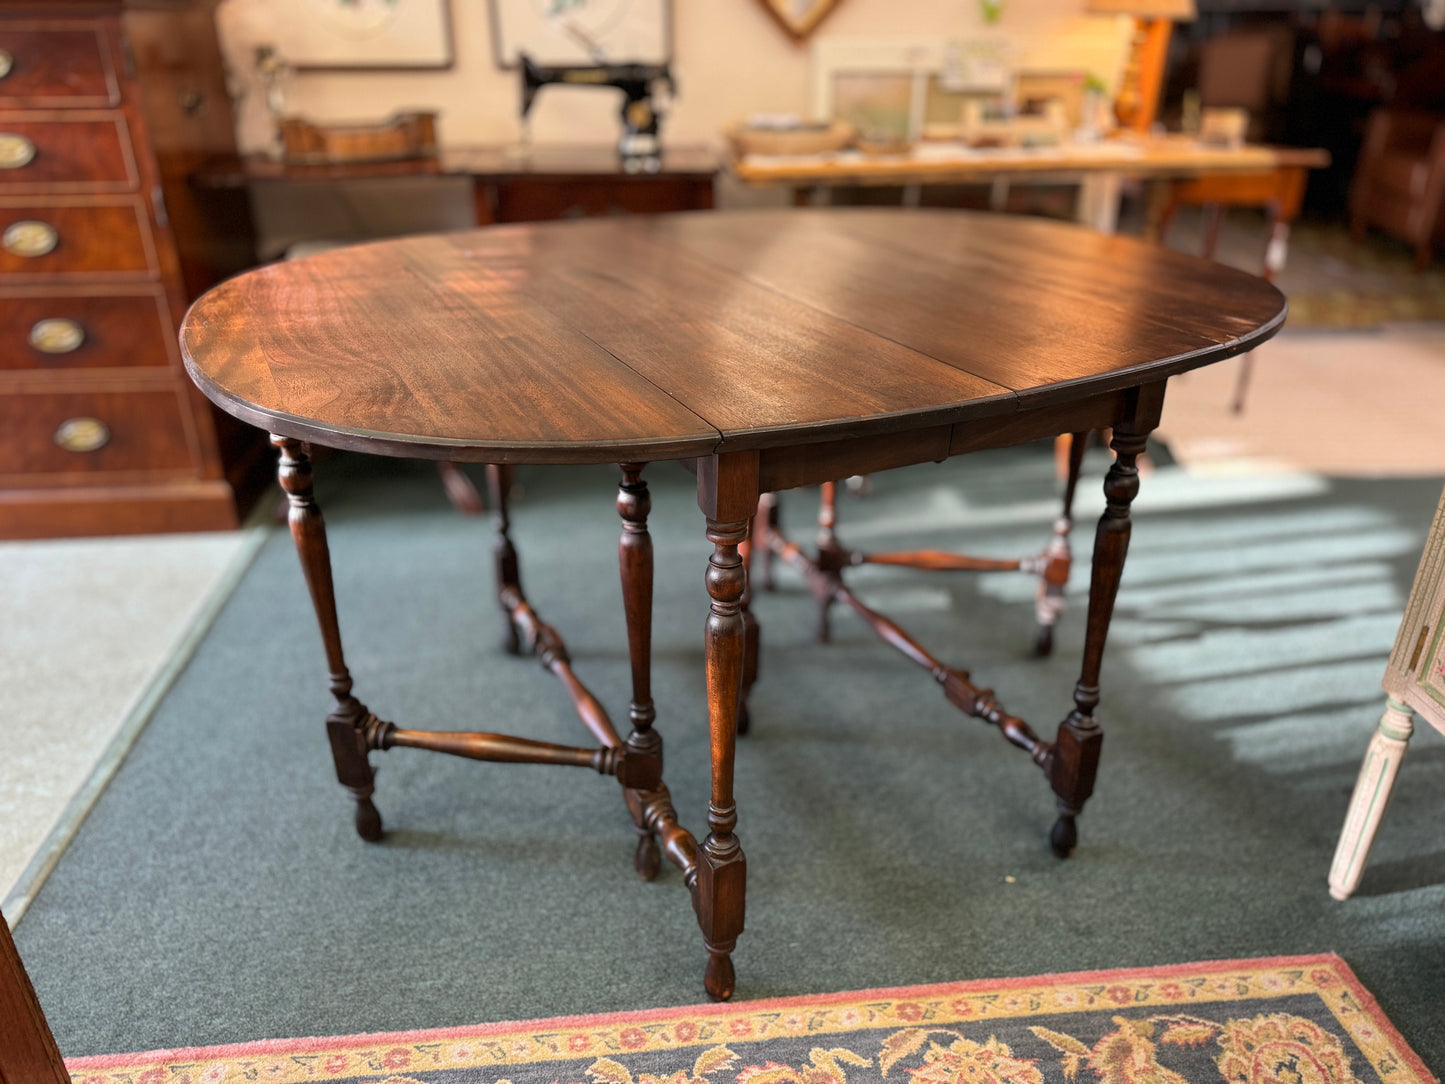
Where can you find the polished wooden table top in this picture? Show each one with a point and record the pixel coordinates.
(689, 335)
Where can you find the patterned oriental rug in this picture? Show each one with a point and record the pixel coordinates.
(1282, 1020)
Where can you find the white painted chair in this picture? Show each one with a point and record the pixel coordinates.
(1414, 685)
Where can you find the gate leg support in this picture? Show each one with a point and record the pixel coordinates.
(509, 580)
(349, 720)
(641, 769)
(1076, 748)
(727, 491)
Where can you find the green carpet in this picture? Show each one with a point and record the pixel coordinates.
(218, 894)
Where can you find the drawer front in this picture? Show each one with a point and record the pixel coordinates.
(73, 435)
(90, 238)
(56, 64)
(90, 153)
(59, 332)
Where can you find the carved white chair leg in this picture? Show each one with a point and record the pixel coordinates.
(1371, 797)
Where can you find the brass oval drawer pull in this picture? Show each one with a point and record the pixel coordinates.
(82, 435)
(7, 62)
(57, 335)
(29, 237)
(16, 151)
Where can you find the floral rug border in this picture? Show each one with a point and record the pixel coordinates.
(293, 1061)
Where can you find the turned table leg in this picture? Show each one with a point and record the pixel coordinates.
(1057, 559)
(1371, 797)
(1076, 748)
(763, 523)
(728, 497)
(642, 765)
(509, 582)
(831, 556)
(748, 550)
(459, 488)
(349, 721)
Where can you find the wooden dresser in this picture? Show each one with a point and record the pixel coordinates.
(104, 109)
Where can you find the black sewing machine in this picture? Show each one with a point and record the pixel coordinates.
(639, 146)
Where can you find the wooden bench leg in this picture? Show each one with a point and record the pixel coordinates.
(1371, 797)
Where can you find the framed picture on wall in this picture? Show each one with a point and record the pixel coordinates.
(560, 33)
(346, 35)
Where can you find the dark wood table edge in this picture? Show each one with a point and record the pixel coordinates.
(911, 437)
(348, 438)
(1164, 368)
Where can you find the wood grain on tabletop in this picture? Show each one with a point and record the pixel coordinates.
(1025, 303)
(1136, 284)
(652, 336)
(418, 340)
(750, 360)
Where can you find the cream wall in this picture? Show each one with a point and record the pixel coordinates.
(730, 59)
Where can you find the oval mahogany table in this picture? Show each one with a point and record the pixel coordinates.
(772, 349)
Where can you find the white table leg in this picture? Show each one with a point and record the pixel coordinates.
(1372, 795)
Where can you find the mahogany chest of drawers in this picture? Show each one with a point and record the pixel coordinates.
(104, 109)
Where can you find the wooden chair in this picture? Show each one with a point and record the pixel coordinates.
(1414, 684)
(1399, 182)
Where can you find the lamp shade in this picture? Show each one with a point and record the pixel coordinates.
(1177, 10)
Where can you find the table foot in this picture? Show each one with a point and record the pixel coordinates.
(1044, 641)
(647, 859)
(1064, 836)
(718, 898)
(719, 979)
(347, 729)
